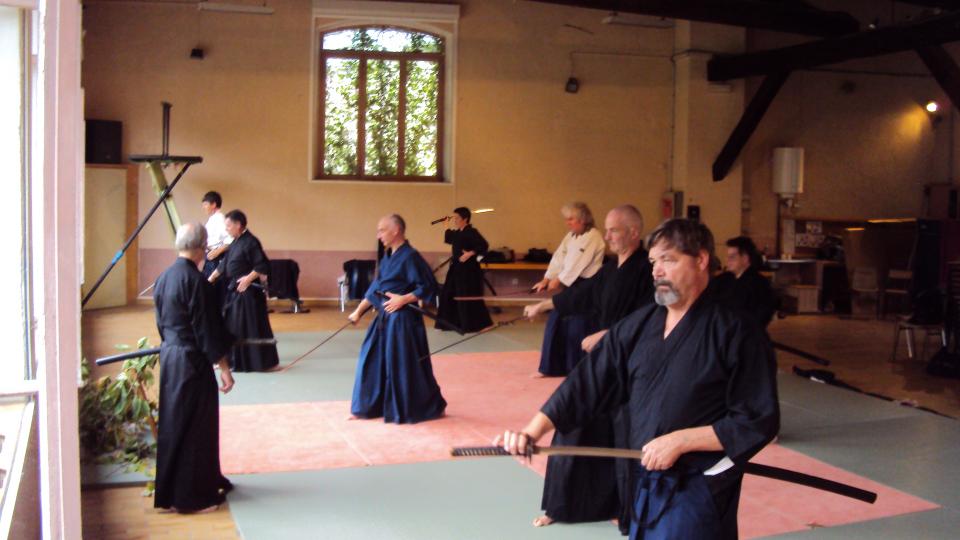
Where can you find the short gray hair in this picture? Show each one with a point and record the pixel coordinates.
(581, 211)
(631, 217)
(191, 236)
(399, 222)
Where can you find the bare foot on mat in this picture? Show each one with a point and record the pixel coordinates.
(542, 521)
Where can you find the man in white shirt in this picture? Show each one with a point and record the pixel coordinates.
(218, 241)
(578, 258)
(217, 238)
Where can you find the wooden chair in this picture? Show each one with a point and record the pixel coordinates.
(911, 329)
(896, 286)
(865, 292)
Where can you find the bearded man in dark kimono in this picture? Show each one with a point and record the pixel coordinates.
(465, 277)
(699, 381)
(245, 309)
(394, 375)
(579, 489)
(741, 287)
(193, 338)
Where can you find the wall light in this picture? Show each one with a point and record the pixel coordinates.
(235, 8)
(932, 106)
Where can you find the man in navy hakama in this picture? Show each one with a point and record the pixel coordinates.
(394, 377)
(578, 258)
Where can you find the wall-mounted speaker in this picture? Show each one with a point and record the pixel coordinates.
(104, 141)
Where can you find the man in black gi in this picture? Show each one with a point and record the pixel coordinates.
(741, 287)
(699, 381)
(193, 339)
(245, 310)
(585, 489)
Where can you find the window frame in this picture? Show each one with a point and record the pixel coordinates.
(26, 384)
(363, 57)
(440, 20)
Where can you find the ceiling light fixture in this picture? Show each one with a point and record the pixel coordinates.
(235, 8)
(634, 19)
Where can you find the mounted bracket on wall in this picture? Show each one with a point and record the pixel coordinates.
(235, 8)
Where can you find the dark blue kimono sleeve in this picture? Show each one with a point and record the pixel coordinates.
(420, 277)
(371, 294)
(599, 384)
(753, 417)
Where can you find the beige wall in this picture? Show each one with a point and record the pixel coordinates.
(705, 114)
(523, 145)
(869, 146)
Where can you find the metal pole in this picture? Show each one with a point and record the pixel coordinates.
(119, 255)
(166, 128)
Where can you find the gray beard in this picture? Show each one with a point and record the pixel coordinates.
(665, 297)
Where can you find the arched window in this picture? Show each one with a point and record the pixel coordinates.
(381, 104)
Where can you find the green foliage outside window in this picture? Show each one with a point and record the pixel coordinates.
(383, 99)
(346, 63)
(340, 117)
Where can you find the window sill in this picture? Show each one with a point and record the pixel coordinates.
(375, 183)
(18, 388)
(16, 423)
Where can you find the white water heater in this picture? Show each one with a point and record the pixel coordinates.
(787, 171)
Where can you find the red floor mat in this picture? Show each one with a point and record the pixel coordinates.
(487, 392)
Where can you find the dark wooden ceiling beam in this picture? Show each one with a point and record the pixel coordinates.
(748, 123)
(932, 31)
(795, 18)
(944, 4)
(944, 70)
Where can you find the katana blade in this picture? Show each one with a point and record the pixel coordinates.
(756, 469)
(486, 330)
(441, 265)
(498, 298)
(427, 314)
(321, 344)
(139, 353)
(145, 291)
(802, 354)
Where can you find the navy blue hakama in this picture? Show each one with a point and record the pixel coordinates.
(394, 376)
(562, 337)
(390, 382)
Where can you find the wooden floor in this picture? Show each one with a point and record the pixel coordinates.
(124, 514)
(859, 351)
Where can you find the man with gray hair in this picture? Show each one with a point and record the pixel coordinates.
(193, 339)
(699, 382)
(585, 489)
(578, 257)
(394, 377)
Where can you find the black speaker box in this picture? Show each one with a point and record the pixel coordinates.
(104, 141)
